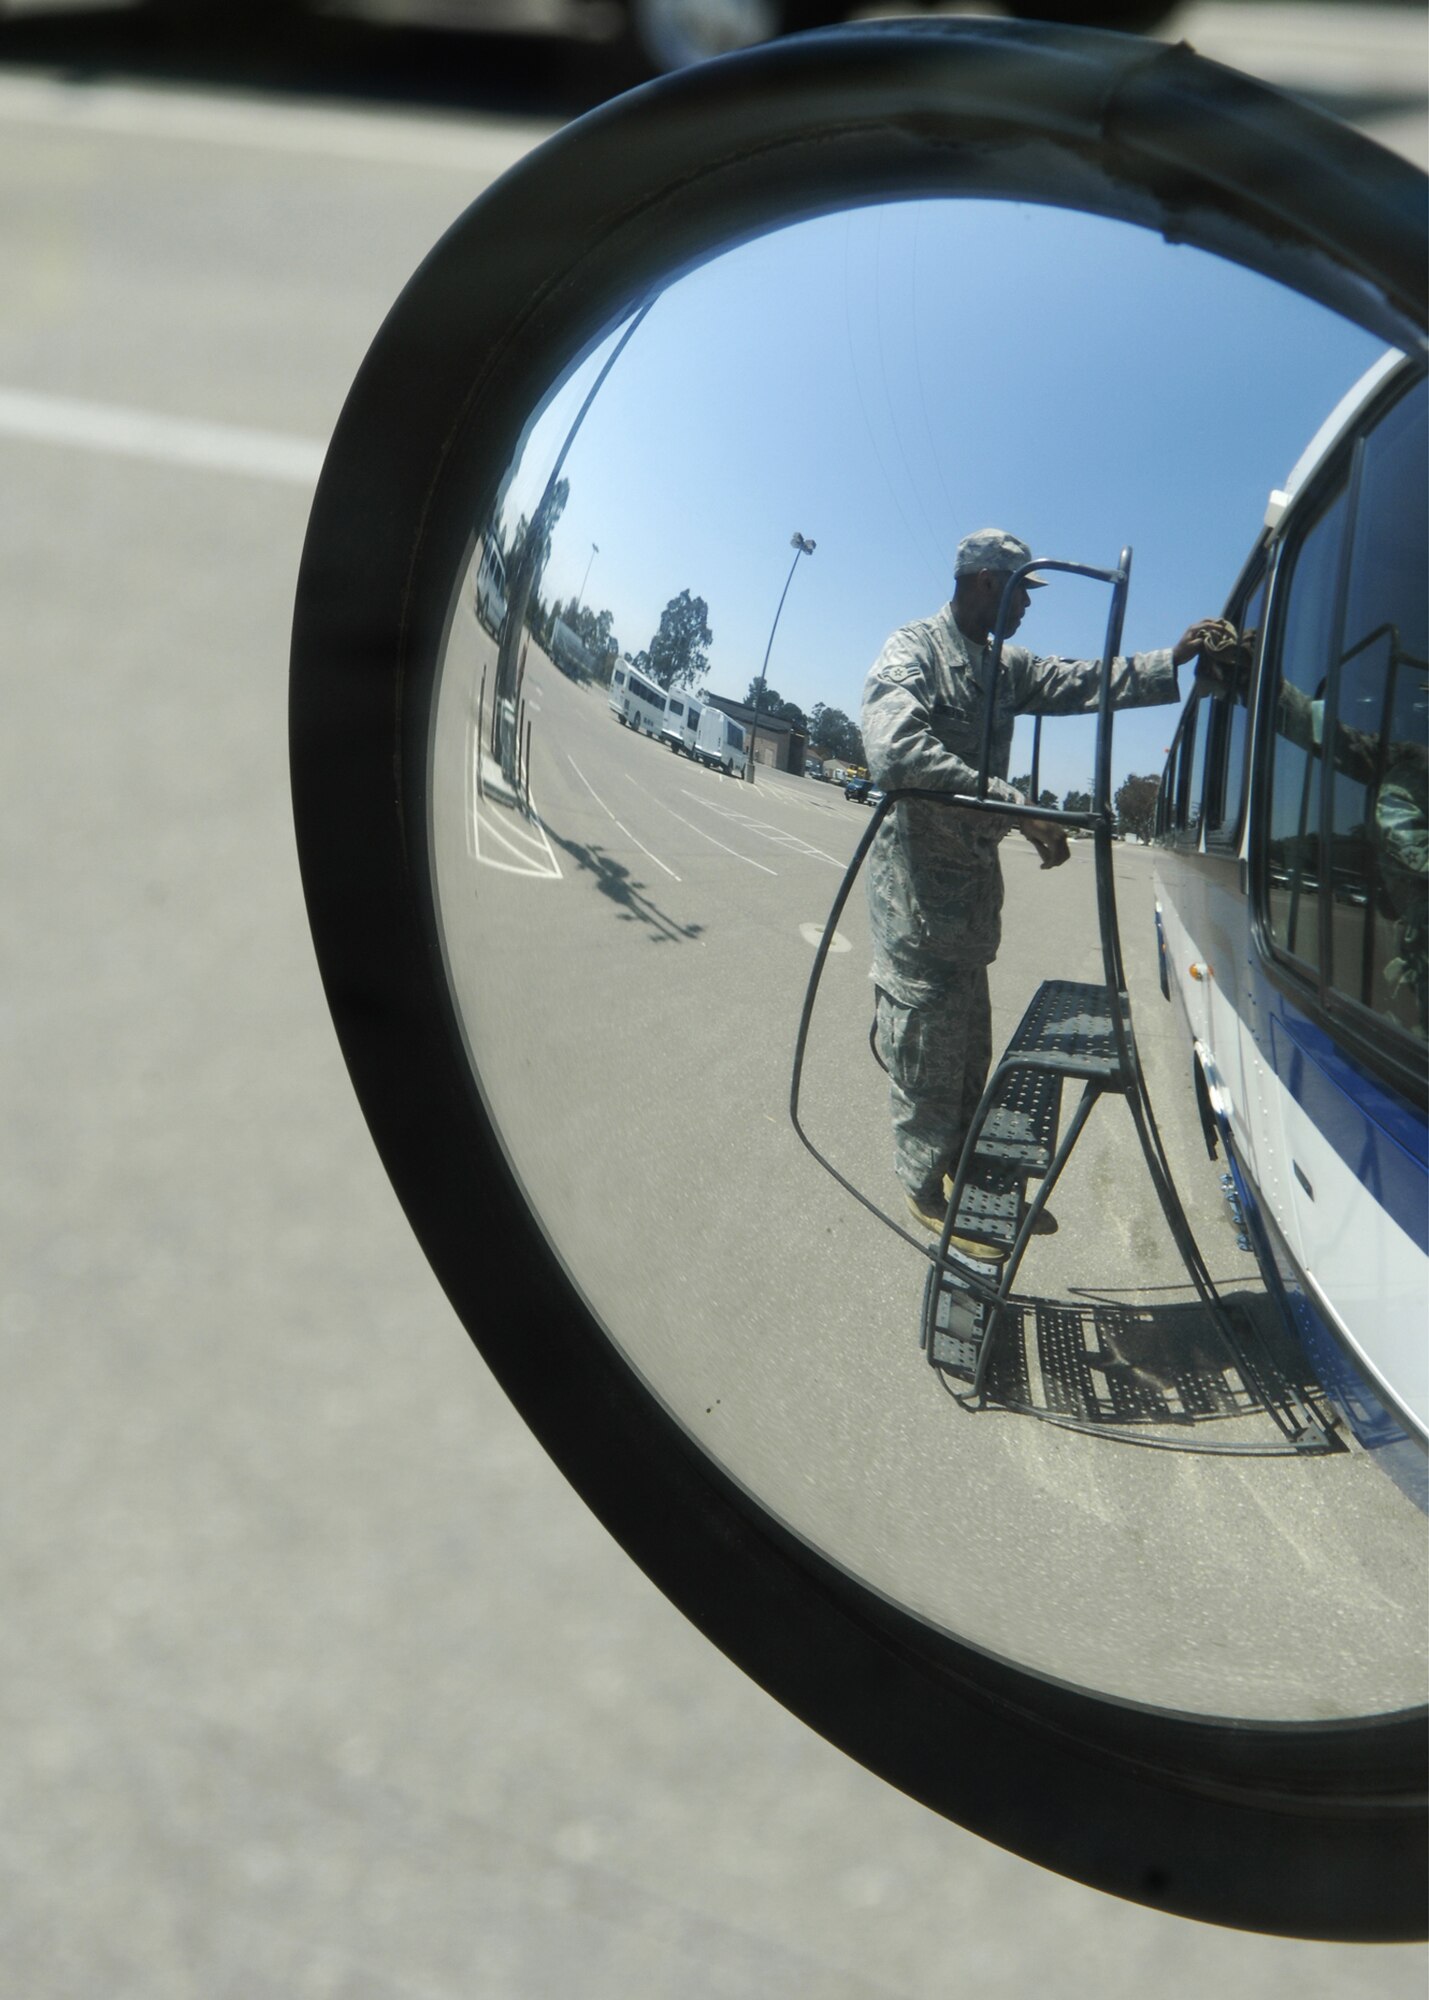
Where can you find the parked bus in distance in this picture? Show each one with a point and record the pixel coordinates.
(682, 721)
(719, 740)
(636, 702)
(491, 589)
(1292, 837)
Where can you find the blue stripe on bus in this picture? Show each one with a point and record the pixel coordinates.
(1380, 1137)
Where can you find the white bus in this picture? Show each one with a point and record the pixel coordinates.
(1292, 912)
(719, 741)
(682, 721)
(635, 701)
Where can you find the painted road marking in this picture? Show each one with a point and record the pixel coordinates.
(777, 835)
(707, 836)
(623, 828)
(533, 859)
(126, 111)
(814, 934)
(129, 433)
(539, 863)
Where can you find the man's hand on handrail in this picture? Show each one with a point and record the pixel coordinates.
(1048, 838)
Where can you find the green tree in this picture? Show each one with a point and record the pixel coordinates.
(771, 702)
(594, 629)
(835, 736)
(1136, 805)
(678, 654)
(1077, 802)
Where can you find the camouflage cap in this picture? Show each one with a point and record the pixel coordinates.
(992, 548)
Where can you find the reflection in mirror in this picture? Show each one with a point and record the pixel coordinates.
(741, 492)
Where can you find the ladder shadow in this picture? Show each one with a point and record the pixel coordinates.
(1110, 1366)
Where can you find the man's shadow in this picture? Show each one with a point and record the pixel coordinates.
(630, 898)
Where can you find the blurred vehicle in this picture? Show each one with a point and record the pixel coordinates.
(813, 768)
(491, 589)
(652, 36)
(856, 789)
(671, 34)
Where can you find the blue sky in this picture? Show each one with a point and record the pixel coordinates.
(886, 380)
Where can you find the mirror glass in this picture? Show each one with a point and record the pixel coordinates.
(767, 466)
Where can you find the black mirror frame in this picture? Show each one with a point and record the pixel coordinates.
(1305, 1829)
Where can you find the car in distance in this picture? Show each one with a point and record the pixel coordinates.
(857, 789)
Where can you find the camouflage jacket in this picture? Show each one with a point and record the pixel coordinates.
(934, 883)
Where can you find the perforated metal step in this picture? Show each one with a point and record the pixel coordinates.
(1021, 1127)
(1068, 1028)
(991, 1203)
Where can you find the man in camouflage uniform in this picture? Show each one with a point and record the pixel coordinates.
(934, 882)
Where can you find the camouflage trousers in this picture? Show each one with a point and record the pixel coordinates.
(937, 1057)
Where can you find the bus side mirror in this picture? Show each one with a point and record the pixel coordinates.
(516, 973)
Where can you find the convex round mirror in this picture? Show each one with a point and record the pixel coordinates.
(701, 399)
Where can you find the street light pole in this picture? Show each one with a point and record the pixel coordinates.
(801, 547)
(580, 594)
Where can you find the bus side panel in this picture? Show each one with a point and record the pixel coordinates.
(1355, 1191)
(1205, 924)
(1348, 1227)
(1350, 1387)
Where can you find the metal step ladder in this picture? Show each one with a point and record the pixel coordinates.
(1100, 1365)
(1066, 1033)
(1141, 1374)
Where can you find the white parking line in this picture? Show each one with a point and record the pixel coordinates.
(711, 839)
(766, 830)
(129, 433)
(532, 859)
(623, 828)
(449, 142)
(539, 863)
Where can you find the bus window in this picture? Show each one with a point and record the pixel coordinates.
(1225, 782)
(1165, 792)
(1178, 802)
(1199, 737)
(1379, 833)
(1298, 675)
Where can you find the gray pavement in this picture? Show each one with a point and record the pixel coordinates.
(317, 1679)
